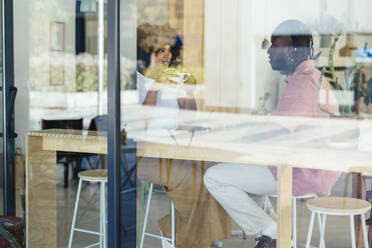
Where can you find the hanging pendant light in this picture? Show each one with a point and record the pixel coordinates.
(88, 6)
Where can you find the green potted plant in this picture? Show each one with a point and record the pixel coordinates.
(343, 92)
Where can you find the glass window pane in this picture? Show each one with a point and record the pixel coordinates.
(233, 104)
(61, 116)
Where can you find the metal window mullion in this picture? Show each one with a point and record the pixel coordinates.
(113, 165)
(8, 83)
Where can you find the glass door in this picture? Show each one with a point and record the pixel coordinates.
(221, 101)
(60, 66)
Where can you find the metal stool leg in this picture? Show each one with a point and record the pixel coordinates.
(352, 231)
(322, 231)
(173, 227)
(310, 232)
(103, 220)
(321, 242)
(74, 215)
(100, 218)
(364, 229)
(294, 222)
(144, 186)
(146, 214)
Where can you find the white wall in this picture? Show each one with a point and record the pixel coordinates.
(31, 41)
(21, 70)
(222, 38)
(128, 29)
(40, 15)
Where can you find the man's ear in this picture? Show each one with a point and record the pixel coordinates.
(287, 50)
(286, 43)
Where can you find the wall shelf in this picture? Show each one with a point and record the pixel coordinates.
(338, 61)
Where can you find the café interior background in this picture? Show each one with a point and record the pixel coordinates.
(224, 50)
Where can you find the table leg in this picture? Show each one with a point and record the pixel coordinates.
(41, 195)
(284, 209)
(360, 193)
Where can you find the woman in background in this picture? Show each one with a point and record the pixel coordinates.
(199, 218)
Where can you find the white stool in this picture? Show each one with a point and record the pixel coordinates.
(294, 213)
(92, 176)
(161, 237)
(342, 206)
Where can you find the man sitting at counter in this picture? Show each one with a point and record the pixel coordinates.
(234, 185)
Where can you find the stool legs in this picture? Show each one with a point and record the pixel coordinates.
(173, 228)
(144, 186)
(146, 215)
(311, 225)
(74, 215)
(143, 233)
(320, 224)
(364, 229)
(322, 230)
(352, 231)
(102, 216)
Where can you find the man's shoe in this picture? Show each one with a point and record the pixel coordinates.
(265, 242)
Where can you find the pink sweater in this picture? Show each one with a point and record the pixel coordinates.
(300, 98)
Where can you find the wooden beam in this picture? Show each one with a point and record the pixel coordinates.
(176, 14)
(193, 37)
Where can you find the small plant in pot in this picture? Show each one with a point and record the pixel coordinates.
(343, 92)
(346, 93)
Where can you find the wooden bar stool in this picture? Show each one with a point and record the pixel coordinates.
(99, 176)
(341, 206)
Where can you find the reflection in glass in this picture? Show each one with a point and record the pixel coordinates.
(60, 68)
(261, 98)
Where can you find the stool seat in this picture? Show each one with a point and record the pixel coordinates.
(93, 175)
(338, 205)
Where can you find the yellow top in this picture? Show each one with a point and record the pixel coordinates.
(169, 75)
